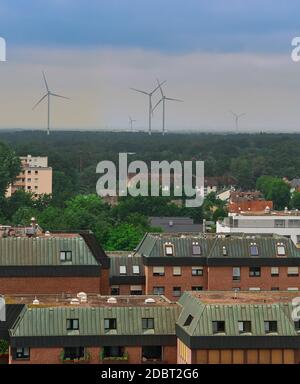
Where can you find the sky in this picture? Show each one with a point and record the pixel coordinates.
(216, 55)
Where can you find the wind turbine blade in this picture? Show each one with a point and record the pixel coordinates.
(35, 105)
(160, 88)
(56, 95)
(156, 105)
(159, 85)
(169, 98)
(138, 90)
(234, 114)
(46, 84)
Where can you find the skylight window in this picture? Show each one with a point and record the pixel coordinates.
(224, 251)
(196, 249)
(281, 250)
(123, 270)
(253, 249)
(169, 249)
(188, 321)
(136, 269)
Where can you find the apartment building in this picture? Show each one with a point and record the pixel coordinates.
(221, 328)
(52, 263)
(284, 223)
(35, 177)
(202, 328)
(174, 264)
(96, 330)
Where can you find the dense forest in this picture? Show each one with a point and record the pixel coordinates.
(74, 156)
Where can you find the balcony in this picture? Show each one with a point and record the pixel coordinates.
(113, 359)
(75, 359)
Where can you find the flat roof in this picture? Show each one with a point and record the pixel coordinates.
(244, 297)
(93, 301)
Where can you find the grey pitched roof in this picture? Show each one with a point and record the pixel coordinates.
(175, 224)
(205, 313)
(237, 246)
(52, 321)
(129, 262)
(44, 251)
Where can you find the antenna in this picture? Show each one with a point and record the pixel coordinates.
(149, 94)
(47, 95)
(236, 119)
(163, 100)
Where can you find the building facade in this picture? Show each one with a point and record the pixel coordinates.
(35, 177)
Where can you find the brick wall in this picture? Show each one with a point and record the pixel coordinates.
(49, 285)
(220, 278)
(186, 281)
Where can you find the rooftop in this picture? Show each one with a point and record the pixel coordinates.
(93, 301)
(244, 297)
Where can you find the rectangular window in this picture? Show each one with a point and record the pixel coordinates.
(197, 288)
(253, 250)
(158, 271)
(65, 255)
(123, 270)
(176, 271)
(236, 273)
(169, 250)
(158, 290)
(254, 289)
(72, 324)
(176, 291)
(218, 327)
(115, 290)
(197, 271)
(274, 288)
(136, 269)
(297, 325)
(136, 290)
(293, 271)
(73, 353)
(148, 323)
(188, 321)
(244, 326)
(110, 324)
(295, 289)
(254, 271)
(22, 353)
(279, 223)
(270, 326)
(196, 249)
(281, 250)
(274, 271)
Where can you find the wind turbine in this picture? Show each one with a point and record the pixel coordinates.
(149, 94)
(47, 95)
(163, 100)
(131, 121)
(236, 118)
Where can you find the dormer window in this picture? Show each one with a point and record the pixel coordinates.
(72, 324)
(218, 327)
(123, 270)
(136, 269)
(253, 249)
(281, 249)
(169, 249)
(224, 251)
(65, 256)
(270, 326)
(196, 249)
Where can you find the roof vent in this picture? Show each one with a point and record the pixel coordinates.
(112, 300)
(36, 301)
(82, 296)
(74, 301)
(286, 209)
(171, 223)
(267, 209)
(149, 300)
(47, 233)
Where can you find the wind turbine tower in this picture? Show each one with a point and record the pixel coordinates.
(236, 119)
(163, 100)
(149, 94)
(48, 96)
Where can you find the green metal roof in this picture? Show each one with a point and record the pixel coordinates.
(204, 314)
(52, 321)
(44, 251)
(237, 246)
